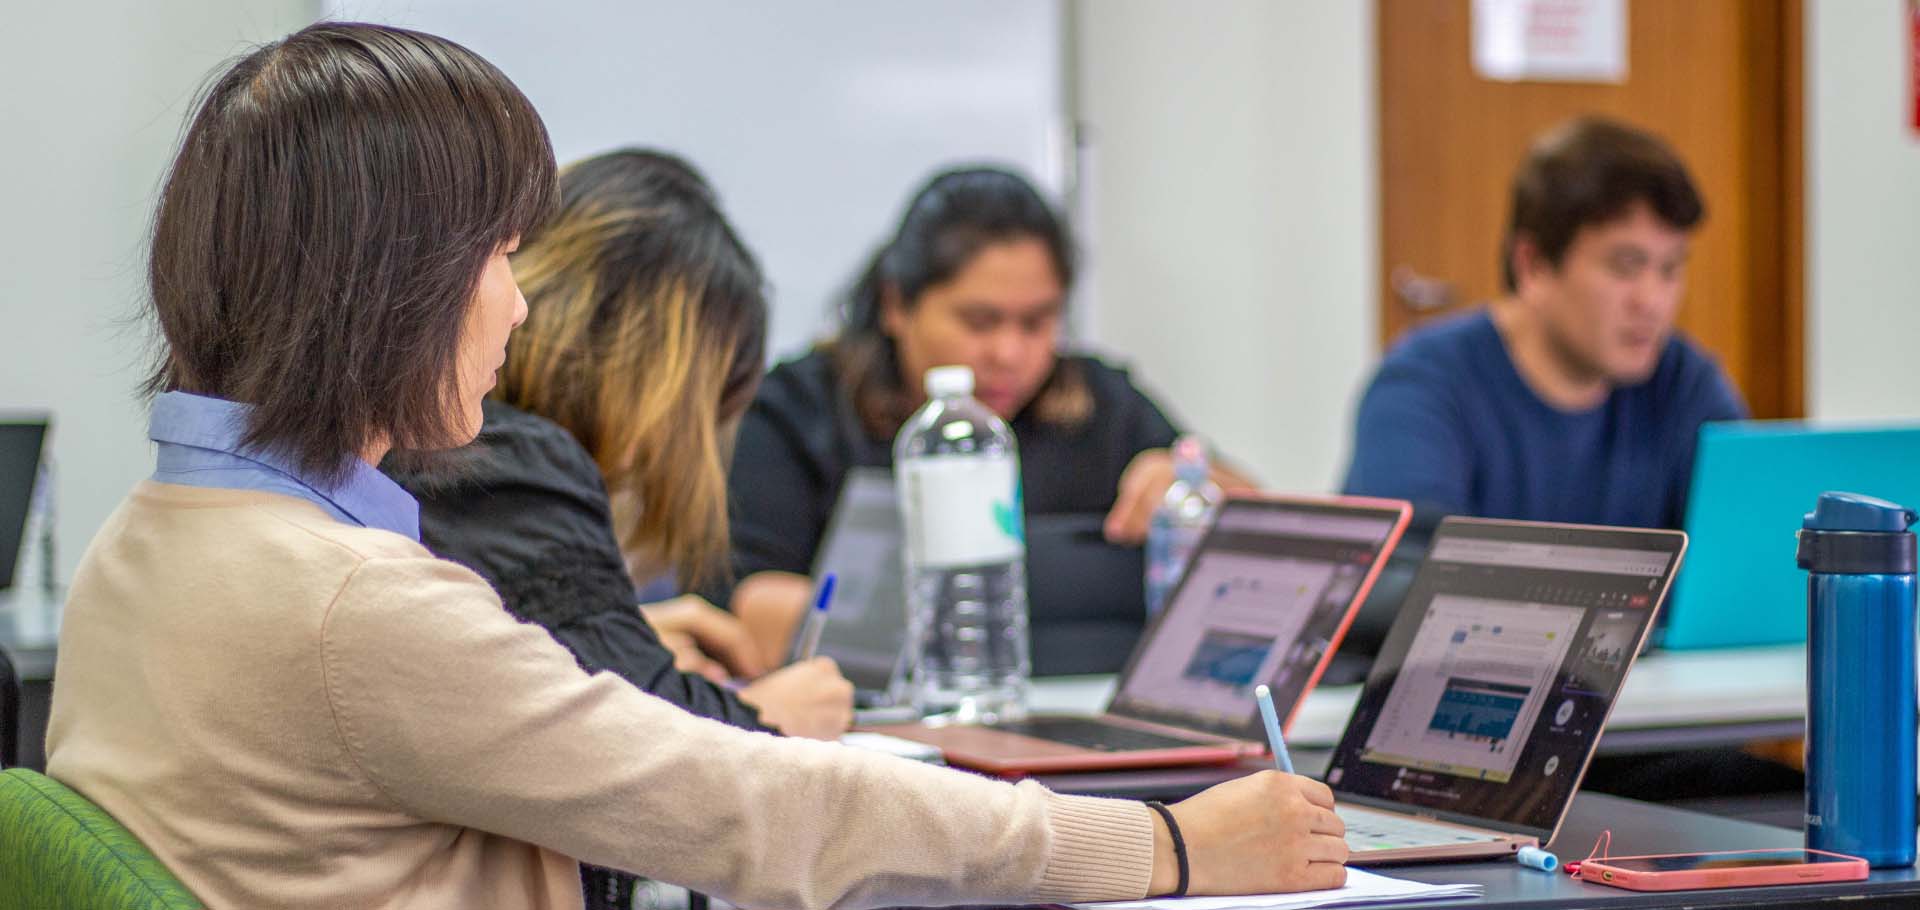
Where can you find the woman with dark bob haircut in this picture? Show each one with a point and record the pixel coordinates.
(287, 698)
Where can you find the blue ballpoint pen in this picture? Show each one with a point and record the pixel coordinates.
(1281, 759)
(816, 620)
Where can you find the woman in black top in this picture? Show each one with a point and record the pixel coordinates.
(645, 322)
(976, 274)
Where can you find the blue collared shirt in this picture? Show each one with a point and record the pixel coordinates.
(199, 446)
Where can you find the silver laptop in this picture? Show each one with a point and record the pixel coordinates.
(1485, 705)
(867, 631)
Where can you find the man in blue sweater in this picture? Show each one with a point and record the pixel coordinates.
(1572, 398)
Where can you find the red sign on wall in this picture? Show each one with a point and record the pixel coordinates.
(1913, 60)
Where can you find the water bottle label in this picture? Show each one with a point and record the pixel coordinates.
(963, 510)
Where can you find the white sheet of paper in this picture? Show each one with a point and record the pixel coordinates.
(1550, 40)
(893, 745)
(1362, 888)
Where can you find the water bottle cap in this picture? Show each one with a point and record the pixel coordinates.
(1190, 459)
(949, 381)
(1850, 534)
(1854, 512)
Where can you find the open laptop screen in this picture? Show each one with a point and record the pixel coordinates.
(1492, 687)
(1265, 598)
(1751, 480)
(868, 621)
(20, 441)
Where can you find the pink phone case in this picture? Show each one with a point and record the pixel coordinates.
(1602, 872)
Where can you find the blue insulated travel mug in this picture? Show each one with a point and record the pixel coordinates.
(1859, 555)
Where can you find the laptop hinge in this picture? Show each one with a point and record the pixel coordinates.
(1430, 814)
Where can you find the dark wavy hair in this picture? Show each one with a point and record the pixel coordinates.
(1588, 171)
(323, 229)
(950, 220)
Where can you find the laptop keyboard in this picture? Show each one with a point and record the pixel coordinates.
(1369, 830)
(1089, 733)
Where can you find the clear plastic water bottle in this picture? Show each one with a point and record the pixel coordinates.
(1179, 521)
(958, 473)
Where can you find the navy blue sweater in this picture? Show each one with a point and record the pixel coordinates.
(1448, 423)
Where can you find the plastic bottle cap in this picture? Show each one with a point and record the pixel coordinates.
(1536, 858)
(1190, 460)
(949, 381)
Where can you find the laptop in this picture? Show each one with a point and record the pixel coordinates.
(1087, 601)
(21, 438)
(1476, 724)
(1266, 597)
(1087, 606)
(866, 631)
(1752, 482)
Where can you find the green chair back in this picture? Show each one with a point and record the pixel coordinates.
(60, 852)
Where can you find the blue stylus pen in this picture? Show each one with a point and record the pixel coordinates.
(816, 620)
(1281, 759)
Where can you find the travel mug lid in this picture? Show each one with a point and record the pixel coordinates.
(1854, 512)
(1851, 534)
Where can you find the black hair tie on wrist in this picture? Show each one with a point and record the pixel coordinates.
(1179, 845)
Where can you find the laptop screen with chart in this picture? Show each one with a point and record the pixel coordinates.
(1269, 592)
(1490, 692)
(1265, 600)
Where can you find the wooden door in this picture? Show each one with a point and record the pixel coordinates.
(1720, 79)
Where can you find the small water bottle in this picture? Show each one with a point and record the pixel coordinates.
(958, 473)
(1179, 521)
(1859, 555)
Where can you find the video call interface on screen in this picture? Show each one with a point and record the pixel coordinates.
(1489, 706)
(1261, 602)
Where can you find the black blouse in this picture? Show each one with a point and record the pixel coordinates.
(801, 435)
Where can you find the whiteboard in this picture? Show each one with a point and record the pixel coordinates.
(814, 121)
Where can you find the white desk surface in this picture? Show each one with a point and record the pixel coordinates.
(1664, 690)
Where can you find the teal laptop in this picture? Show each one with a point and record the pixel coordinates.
(1752, 483)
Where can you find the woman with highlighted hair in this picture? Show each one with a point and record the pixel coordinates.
(642, 344)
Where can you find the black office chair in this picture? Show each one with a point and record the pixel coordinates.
(9, 712)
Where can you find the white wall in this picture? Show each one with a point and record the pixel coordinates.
(1232, 192)
(1232, 185)
(1232, 205)
(814, 119)
(94, 100)
(1863, 213)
